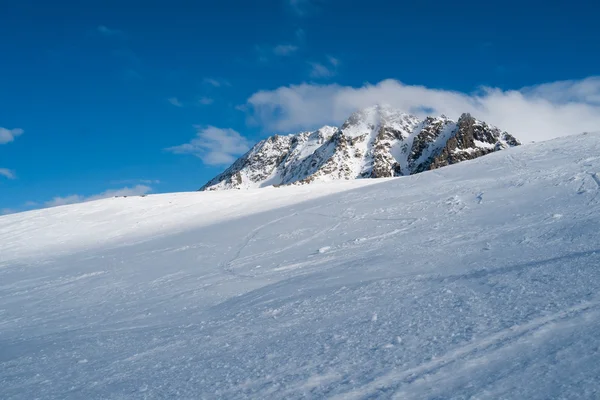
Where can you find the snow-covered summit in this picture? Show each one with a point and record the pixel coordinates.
(372, 118)
(374, 142)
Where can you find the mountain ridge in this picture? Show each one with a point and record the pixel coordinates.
(374, 142)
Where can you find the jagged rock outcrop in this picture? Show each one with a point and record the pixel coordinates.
(472, 139)
(376, 142)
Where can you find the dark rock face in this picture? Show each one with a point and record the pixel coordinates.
(377, 142)
(426, 139)
(384, 164)
(472, 139)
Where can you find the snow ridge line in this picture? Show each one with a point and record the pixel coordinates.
(396, 378)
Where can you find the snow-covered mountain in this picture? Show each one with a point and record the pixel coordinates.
(376, 142)
(464, 283)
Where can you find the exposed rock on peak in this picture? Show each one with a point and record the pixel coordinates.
(375, 142)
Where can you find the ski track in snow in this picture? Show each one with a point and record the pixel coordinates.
(463, 354)
(478, 280)
(227, 265)
(595, 178)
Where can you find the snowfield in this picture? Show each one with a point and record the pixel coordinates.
(479, 280)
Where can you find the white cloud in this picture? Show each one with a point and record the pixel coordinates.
(135, 181)
(216, 82)
(324, 70)
(105, 31)
(131, 75)
(9, 135)
(214, 146)
(76, 198)
(263, 53)
(302, 7)
(319, 70)
(586, 90)
(205, 101)
(532, 113)
(333, 61)
(61, 201)
(285, 49)
(7, 173)
(297, 6)
(175, 101)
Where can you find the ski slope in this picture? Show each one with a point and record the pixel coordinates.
(479, 280)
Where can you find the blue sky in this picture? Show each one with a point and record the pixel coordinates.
(103, 97)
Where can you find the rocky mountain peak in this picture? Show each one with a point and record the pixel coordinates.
(374, 142)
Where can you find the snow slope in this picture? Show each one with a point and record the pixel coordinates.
(123, 221)
(480, 280)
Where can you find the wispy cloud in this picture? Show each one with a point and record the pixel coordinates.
(318, 70)
(132, 64)
(214, 146)
(136, 190)
(324, 70)
(76, 198)
(205, 101)
(285, 49)
(531, 113)
(333, 61)
(108, 32)
(216, 82)
(264, 53)
(202, 101)
(130, 74)
(175, 101)
(300, 35)
(135, 182)
(302, 7)
(268, 53)
(9, 135)
(7, 173)
(6, 211)
(62, 201)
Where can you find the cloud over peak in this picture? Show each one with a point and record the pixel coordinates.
(532, 113)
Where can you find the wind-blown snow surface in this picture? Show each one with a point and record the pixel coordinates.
(479, 280)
